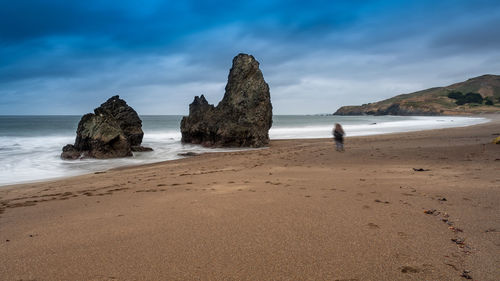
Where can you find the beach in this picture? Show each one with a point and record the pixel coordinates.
(407, 206)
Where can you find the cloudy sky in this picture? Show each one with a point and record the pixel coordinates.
(67, 57)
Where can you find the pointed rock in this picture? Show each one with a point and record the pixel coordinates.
(243, 117)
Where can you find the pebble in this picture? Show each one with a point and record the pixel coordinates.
(466, 275)
(430, 211)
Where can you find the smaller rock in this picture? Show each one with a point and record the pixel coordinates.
(409, 269)
(420, 170)
(139, 148)
(455, 229)
(70, 152)
(190, 153)
(113, 130)
(458, 241)
(430, 211)
(442, 199)
(466, 274)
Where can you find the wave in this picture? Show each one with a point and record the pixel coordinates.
(374, 127)
(34, 158)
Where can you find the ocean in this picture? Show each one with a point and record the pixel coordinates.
(30, 146)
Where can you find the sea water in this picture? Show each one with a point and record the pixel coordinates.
(30, 146)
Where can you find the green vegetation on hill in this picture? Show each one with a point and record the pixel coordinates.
(469, 98)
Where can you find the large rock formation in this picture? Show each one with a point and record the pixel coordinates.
(113, 130)
(243, 117)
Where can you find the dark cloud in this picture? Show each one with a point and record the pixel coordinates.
(66, 56)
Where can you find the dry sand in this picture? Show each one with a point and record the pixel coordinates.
(296, 211)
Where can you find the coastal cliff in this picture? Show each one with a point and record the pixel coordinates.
(449, 100)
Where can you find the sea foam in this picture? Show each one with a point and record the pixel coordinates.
(31, 152)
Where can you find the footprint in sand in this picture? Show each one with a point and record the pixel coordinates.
(409, 269)
(402, 234)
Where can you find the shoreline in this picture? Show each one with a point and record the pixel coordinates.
(297, 210)
(488, 116)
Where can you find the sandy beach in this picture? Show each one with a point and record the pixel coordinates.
(409, 206)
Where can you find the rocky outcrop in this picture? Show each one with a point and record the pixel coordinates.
(243, 117)
(125, 116)
(113, 130)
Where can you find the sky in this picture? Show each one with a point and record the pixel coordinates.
(68, 57)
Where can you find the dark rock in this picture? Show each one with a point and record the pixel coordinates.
(409, 269)
(430, 211)
(125, 116)
(190, 153)
(466, 274)
(420, 170)
(70, 152)
(111, 132)
(243, 117)
(101, 137)
(138, 148)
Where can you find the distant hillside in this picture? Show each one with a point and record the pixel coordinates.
(476, 95)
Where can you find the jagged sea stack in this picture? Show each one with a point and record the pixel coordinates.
(113, 130)
(243, 117)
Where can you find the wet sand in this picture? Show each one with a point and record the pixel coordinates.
(298, 210)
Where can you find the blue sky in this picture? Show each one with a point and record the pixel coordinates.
(67, 57)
